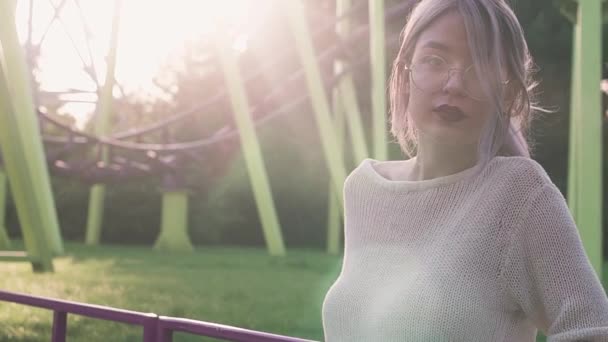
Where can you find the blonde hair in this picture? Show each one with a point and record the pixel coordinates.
(497, 42)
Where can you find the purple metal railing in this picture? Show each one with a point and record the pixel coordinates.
(156, 328)
(167, 325)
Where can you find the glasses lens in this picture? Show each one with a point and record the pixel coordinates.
(430, 73)
(472, 84)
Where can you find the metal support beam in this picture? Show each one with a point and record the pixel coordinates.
(22, 149)
(102, 127)
(173, 235)
(333, 155)
(585, 155)
(346, 110)
(252, 152)
(5, 242)
(14, 141)
(377, 48)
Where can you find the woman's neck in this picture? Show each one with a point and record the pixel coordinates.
(438, 160)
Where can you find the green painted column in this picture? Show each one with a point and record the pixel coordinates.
(17, 144)
(252, 152)
(378, 67)
(21, 130)
(95, 214)
(347, 94)
(102, 128)
(574, 128)
(333, 155)
(334, 224)
(5, 242)
(174, 223)
(345, 109)
(585, 141)
(586, 146)
(334, 212)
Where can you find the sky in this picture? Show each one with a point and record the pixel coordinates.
(150, 32)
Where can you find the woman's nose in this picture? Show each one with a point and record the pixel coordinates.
(455, 83)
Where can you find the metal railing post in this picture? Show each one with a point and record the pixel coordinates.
(150, 329)
(60, 322)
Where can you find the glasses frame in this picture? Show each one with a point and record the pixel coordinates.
(411, 69)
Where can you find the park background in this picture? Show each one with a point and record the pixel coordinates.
(230, 278)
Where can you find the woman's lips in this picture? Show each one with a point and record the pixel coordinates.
(449, 113)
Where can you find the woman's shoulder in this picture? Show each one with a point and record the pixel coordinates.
(521, 170)
(507, 175)
(519, 179)
(358, 171)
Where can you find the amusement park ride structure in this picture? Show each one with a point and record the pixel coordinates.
(109, 157)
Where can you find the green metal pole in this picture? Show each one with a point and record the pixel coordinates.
(252, 153)
(97, 194)
(95, 214)
(20, 94)
(345, 107)
(334, 216)
(346, 86)
(378, 66)
(574, 129)
(353, 118)
(5, 242)
(587, 130)
(20, 163)
(334, 223)
(334, 219)
(174, 223)
(333, 156)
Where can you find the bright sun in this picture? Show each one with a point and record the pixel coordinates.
(150, 30)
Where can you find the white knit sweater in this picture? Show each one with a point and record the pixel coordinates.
(487, 254)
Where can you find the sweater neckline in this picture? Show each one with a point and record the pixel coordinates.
(369, 167)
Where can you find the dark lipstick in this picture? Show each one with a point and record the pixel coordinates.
(449, 113)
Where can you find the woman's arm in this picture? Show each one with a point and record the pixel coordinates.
(549, 275)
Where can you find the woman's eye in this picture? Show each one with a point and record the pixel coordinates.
(433, 61)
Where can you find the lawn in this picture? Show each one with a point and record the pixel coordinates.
(243, 287)
(236, 286)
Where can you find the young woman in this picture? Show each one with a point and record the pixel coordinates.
(468, 240)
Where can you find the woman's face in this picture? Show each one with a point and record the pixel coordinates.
(444, 100)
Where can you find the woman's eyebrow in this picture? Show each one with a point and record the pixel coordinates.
(433, 44)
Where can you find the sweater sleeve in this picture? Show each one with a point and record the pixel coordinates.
(549, 275)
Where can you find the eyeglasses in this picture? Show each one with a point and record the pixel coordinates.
(431, 73)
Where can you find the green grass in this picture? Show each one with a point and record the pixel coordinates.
(234, 286)
(243, 287)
